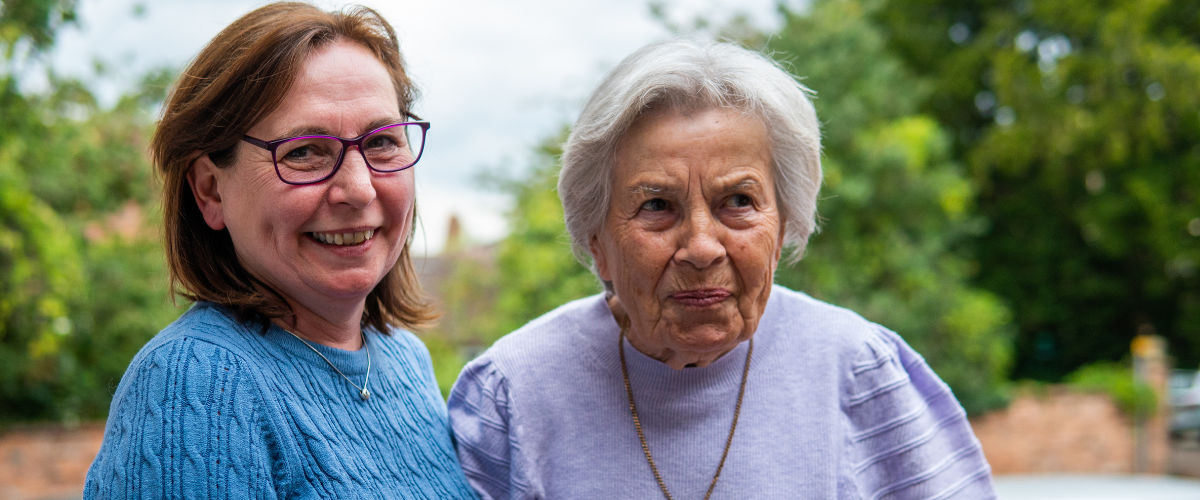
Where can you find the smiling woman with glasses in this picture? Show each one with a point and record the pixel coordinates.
(293, 374)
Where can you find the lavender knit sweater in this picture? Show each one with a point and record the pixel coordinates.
(836, 407)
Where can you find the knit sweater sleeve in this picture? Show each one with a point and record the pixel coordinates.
(909, 438)
(485, 437)
(185, 423)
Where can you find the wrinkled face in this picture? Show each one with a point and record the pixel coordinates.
(280, 231)
(693, 234)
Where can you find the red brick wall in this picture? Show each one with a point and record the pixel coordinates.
(1063, 431)
(1059, 431)
(50, 462)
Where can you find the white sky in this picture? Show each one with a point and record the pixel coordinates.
(495, 76)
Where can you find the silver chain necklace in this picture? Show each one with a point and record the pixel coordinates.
(362, 391)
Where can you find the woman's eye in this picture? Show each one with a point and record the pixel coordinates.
(299, 153)
(740, 200)
(655, 205)
(380, 142)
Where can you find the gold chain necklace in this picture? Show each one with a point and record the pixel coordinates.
(362, 391)
(637, 422)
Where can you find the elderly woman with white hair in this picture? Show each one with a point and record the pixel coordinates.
(693, 169)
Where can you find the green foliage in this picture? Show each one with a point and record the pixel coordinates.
(95, 300)
(127, 303)
(537, 271)
(448, 361)
(32, 21)
(1134, 397)
(894, 206)
(468, 302)
(40, 274)
(82, 279)
(1078, 122)
(494, 290)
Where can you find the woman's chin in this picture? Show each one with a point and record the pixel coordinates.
(345, 289)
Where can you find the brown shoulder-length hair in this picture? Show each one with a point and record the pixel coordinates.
(237, 80)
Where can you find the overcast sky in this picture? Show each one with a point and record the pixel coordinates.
(495, 76)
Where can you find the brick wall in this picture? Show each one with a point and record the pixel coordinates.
(1065, 431)
(47, 462)
(1058, 431)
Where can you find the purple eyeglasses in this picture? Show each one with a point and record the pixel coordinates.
(309, 159)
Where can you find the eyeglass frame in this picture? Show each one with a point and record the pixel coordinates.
(273, 146)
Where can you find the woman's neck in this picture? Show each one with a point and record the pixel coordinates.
(343, 332)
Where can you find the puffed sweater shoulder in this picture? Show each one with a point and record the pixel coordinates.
(835, 407)
(214, 408)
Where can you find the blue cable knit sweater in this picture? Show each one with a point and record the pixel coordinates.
(211, 408)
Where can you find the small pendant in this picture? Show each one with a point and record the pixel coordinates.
(365, 394)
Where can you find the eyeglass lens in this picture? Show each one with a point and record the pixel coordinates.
(310, 159)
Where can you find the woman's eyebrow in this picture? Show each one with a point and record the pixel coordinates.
(645, 188)
(742, 185)
(383, 121)
(303, 131)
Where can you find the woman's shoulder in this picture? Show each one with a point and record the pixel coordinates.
(555, 337)
(405, 348)
(202, 346)
(204, 321)
(867, 357)
(873, 359)
(795, 303)
(819, 321)
(402, 342)
(204, 326)
(189, 386)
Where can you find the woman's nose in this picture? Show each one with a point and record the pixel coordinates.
(701, 245)
(353, 183)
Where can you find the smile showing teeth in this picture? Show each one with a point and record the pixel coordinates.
(343, 239)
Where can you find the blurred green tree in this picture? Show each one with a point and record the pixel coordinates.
(1079, 123)
(40, 262)
(82, 283)
(30, 25)
(536, 269)
(895, 207)
(40, 274)
(533, 272)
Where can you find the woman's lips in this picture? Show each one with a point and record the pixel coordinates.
(701, 297)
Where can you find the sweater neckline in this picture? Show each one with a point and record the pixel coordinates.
(350, 363)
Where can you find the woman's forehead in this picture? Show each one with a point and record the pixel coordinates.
(340, 89)
(711, 178)
(718, 148)
(678, 131)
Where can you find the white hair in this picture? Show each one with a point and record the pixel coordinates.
(690, 74)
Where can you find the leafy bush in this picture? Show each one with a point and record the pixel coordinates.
(82, 278)
(895, 208)
(1134, 397)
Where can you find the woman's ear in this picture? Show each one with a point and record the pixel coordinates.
(779, 244)
(599, 257)
(203, 178)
